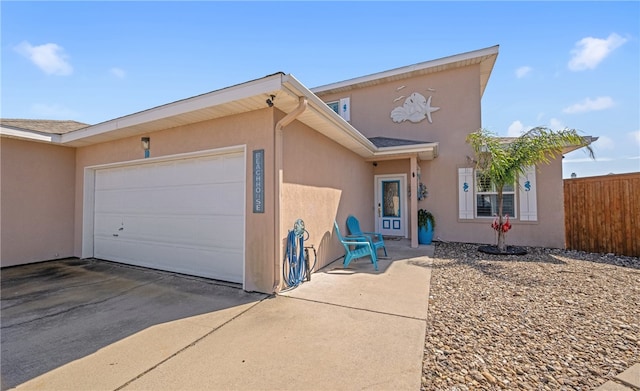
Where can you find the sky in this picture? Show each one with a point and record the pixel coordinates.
(560, 64)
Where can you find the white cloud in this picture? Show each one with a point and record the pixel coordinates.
(600, 103)
(515, 129)
(523, 71)
(635, 136)
(53, 111)
(556, 124)
(49, 57)
(604, 142)
(589, 51)
(117, 72)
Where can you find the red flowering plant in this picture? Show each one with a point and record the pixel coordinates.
(503, 226)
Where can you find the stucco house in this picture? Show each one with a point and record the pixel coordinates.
(210, 185)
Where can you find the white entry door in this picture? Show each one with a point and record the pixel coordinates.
(391, 204)
(181, 215)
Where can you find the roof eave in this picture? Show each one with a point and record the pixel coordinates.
(170, 115)
(588, 140)
(250, 96)
(485, 57)
(30, 135)
(426, 151)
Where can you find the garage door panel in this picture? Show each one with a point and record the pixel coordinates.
(162, 174)
(215, 231)
(182, 215)
(107, 201)
(105, 221)
(108, 179)
(229, 197)
(107, 224)
(212, 170)
(214, 263)
(218, 169)
(107, 247)
(232, 165)
(205, 227)
(220, 198)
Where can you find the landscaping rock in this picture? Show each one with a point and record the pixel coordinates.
(550, 319)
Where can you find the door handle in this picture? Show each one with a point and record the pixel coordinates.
(379, 210)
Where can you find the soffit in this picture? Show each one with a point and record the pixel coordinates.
(427, 151)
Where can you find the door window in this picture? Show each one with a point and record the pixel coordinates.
(391, 198)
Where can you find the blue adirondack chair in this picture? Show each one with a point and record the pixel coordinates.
(356, 247)
(375, 238)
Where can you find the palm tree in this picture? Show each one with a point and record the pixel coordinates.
(501, 160)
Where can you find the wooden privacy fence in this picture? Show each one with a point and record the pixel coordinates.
(602, 214)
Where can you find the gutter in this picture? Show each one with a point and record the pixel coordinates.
(286, 120)
(32, 135)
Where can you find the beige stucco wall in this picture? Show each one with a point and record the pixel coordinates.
(37, 187)
(255, 130)
(457, 93)
(548, 231)
(323, 182)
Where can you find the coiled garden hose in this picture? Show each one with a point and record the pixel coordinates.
(296, 266)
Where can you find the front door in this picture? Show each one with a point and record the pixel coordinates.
(391, 208)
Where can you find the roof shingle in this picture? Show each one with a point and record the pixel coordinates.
(43, 125)
(382, 142)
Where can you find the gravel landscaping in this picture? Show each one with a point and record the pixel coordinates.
(548, 320)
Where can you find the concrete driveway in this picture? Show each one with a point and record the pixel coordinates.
(346, 329)
(56, 312)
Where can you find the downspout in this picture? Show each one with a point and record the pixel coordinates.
(277, 150)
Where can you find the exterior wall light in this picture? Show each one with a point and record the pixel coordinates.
(146, 145)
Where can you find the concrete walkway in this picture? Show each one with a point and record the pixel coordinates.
(345, 329)
(628, 380)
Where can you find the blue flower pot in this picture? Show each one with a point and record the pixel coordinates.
(425, 235)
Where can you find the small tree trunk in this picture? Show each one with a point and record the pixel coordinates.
(502, 244)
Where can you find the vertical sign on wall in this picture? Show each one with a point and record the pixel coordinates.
(258, 181)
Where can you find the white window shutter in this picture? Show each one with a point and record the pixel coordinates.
(465, 193)
(345, 109)
(528, 200)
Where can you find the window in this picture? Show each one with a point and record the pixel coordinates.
(335, 106)
(342, 107)
(477, 197)
(487, 198)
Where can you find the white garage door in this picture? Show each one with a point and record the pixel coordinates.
(184, 215)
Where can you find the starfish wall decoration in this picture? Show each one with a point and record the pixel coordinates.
(415, 109)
